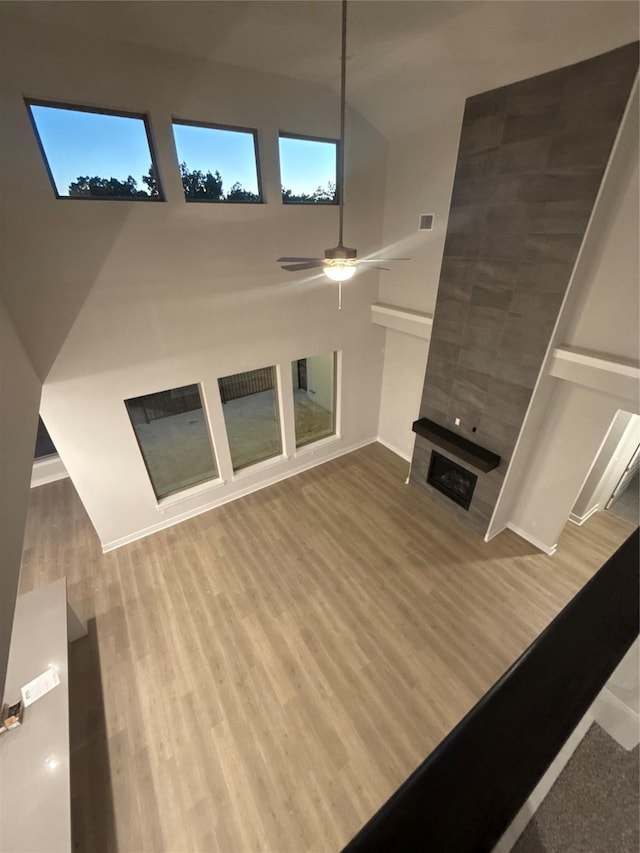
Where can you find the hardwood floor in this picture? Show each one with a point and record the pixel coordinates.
(262, 677)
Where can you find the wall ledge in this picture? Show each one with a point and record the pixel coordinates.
(416, 323)
(598, 370)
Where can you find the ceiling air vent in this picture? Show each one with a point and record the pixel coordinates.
(426, 221)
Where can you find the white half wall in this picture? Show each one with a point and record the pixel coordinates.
(19, 402)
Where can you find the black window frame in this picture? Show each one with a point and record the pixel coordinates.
(107, 111)
(209, 125)
(283, 134)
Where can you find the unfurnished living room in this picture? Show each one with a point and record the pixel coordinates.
(323, 319)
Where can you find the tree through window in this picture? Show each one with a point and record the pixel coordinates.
(91, 153)
(217, 163)
(308, 170)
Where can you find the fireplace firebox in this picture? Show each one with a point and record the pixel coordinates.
(452, 480)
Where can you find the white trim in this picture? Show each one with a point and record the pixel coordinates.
(239, 493)
(601, 361)
(47, 470)
(489, 536)
(528, 810)
(189, 493)
(580, 519)
(415, 323)
(394, 449)
(617, 719)
(549, 550)
(258, 467)
(310, 447)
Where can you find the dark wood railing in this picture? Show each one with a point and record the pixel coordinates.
(164, 404)
(467, 792)
(249, 382)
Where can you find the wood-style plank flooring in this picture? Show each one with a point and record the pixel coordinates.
(262, 677)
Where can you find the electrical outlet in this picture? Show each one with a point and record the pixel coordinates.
(457, 421)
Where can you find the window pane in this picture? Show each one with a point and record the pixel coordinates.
(308, 170)
(96, 155)
(250, 408)
(172, 433)
(314, 397)
(217, 164)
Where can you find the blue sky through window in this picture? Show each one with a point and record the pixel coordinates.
(211, 149)
(306, 164)
(91, 144)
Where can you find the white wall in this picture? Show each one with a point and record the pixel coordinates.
(405, 359)
(606, 274)
(607, 317)
(420, 171)
(19, 400)
(617, 708)
(619, 445)
(576, 425)
(178, 293)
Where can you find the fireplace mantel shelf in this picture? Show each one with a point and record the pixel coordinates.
(479, 457)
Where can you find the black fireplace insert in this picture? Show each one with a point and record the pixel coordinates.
(452, 480)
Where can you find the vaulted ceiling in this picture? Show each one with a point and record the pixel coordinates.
(402, 54)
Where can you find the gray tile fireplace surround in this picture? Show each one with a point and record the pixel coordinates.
(530, 163)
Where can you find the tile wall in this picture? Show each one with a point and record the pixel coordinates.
(530, 162)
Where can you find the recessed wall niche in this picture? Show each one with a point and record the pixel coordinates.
(530, 162)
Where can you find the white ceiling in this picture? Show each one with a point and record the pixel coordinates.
(402, 54)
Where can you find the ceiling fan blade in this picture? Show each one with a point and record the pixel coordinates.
(296, 260)
(383, 260)
(382, 268)
(311, 265)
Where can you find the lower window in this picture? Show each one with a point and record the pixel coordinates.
(173, 435)
(250, 406)
(314, 397)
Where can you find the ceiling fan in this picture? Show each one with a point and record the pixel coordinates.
(340, 262)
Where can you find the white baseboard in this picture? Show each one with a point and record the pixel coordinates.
(617, 719)
(394, 449)
(550, 550)
(580, 519)
(521, 820)
(47, 470)
(489, 536)
(306, 463)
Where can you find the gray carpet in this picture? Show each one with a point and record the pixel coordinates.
(593, 806)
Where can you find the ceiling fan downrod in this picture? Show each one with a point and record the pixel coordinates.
(339, 262)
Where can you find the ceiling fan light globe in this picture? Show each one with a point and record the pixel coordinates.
(340, 272)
